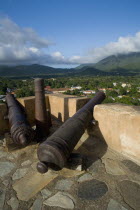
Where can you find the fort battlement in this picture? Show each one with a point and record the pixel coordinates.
(117, 124)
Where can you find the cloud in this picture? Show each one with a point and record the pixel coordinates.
(20, 45)
(123, 45)
(24, 46)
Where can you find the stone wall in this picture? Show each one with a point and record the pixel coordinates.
(62, 107)
(119, 125)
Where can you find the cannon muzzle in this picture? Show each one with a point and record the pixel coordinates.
(54, 152)
(21, 131)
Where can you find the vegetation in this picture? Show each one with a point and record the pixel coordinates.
(125, 65)
(112, 85)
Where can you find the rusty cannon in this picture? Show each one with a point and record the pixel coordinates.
(54, 152)
(21, 131)
(42, 117)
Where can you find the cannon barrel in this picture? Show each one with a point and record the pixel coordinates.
(21, 131)
(42, 123)
(54, 152)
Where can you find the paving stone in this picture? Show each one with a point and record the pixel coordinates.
(20, 173)
(131, 193)
(61, 199)
(37, 205)
(85, 177)
(92, 190)
(132, 166)
(114, 205)
(46, 193)
(14, 203)
(2, 198)
(32, 183)
(3, 154)
(112, 167)
(5, 182)
(94, 166)
(64, 185)
(69, 172)
(26, 163)
(33, 166)
(6, 168)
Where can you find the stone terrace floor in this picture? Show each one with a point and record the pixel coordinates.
(108, 182)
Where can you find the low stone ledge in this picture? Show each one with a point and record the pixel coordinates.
(29, 105)
(120, 127)
(59, 105)
(4, 127)
(75, 104)
(62, 107)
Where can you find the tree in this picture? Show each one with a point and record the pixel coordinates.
(24, 92)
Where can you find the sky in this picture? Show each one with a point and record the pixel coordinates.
(66, 33)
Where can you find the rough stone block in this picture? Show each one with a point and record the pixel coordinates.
(29, 105)
(4, 125)
(59, 106)
(76, 103)
(119, 126)
(31, 184)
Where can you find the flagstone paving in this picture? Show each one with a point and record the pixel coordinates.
(108, 182)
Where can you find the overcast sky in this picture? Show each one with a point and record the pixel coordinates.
(67, 32)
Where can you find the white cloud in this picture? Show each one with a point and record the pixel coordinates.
(24, 46)
(123, 45)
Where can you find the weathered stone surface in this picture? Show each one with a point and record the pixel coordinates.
(46, 193)
(2, 197)
(5, 182)
(69, 173)
(95, 166)
(37, 205)
(92, 190)
(3, 123)
(112, 167)
(85, 177)
(114, 205)
(20, 173)
(132, 166)
(64, 185)
(131, 193)
(61, 199)
(14, 203)
(32, 183)
(121, 129)
(6, 168)
(26, 163)
(3, 154)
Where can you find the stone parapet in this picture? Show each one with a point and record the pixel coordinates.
(4, 126)
(120, 127)
(29, 104)
(62, 107)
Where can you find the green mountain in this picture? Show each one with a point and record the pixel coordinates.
(34, 70)
(128, 63)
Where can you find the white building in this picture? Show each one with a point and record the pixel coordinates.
(77, 87)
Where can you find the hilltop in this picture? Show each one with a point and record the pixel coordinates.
(122, 64)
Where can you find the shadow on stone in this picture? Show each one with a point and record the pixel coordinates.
(94, 147)
(92, 190)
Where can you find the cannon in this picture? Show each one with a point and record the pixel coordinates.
(54, 152)
(42, 122)
(21, 131)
